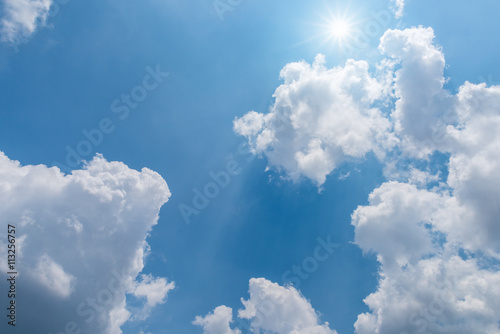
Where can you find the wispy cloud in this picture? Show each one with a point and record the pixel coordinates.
(22, 18)
(400, 8)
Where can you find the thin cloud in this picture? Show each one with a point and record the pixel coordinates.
(22, 18)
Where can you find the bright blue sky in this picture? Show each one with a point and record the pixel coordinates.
(65, 77)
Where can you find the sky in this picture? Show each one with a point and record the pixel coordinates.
(232, 166)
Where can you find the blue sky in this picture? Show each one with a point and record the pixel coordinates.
(66, 74)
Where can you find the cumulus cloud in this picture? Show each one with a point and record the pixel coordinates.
(394, 224)
(217, 322)
(22, 18)
(81, 243)
(271, 308)
(320, 118)
(423, 107)
(280, 310)
(465, 126)
(436, 246)
(53, 277)
(436, 295)
(435, 234)
(425, 286)
(153, 290)
(474, 165)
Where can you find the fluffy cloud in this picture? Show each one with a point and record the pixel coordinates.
(436, 246)
(435, 235)
(435, 295)
(321, 117)
(423, 108)
(465, 126)
(22, 17)
(394, 224)
(474, 166)
(153, 290)
(217, 322)
(425, 286)
(280, 310)
(80, 243)
(271, 309)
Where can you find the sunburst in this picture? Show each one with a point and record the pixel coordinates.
(339, 29)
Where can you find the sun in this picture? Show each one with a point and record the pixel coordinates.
(334, 28)
(339, 28)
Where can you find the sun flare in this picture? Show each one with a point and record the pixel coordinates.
(339, 29)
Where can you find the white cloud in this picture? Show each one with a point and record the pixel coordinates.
(81, 242)
(401, 170)
(272, 309)
(53, 277)
(418, 234)
(423, 108)
(280, 310)
(474, 166)
(435, 296)
(400, 8)
(217, 322)
(154, 290)
(421, 178)
(393, 225)
(426, 240)
(22, 17)
(465, 125)
(424, 286)
(321, 117)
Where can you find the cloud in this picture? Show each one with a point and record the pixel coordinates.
(437, 247)
(320, 118)
(217, 322)
(280, 310)
(435, 234)
(154, 290)
(81, 243)
(400, 8)
(425, 286)
(22, 18)
(394, 224)
(465, 126)
(271, 308)
(423, 108)
(53, 277)
(473, 168)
